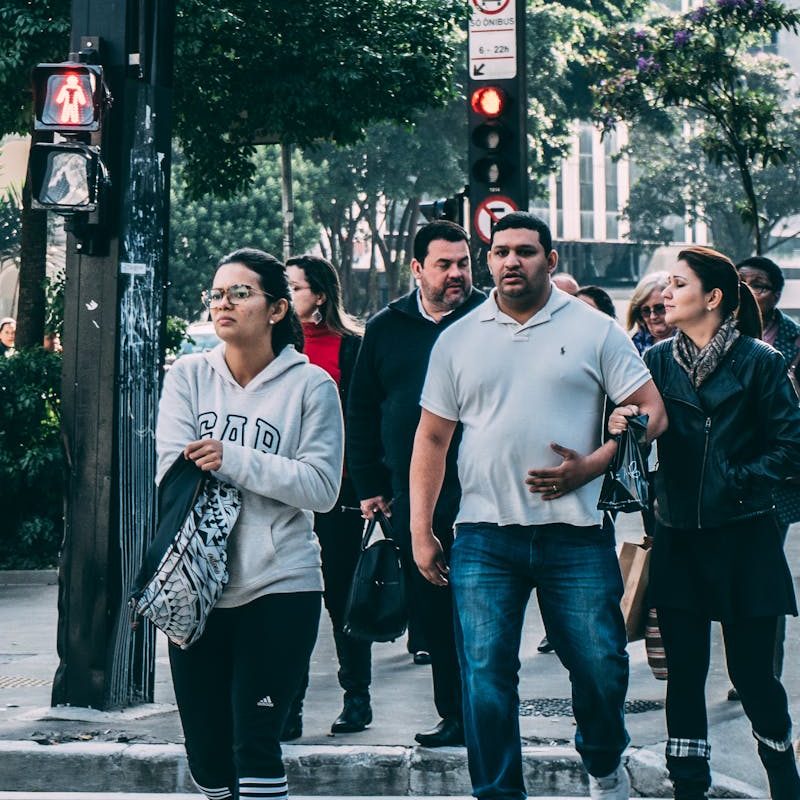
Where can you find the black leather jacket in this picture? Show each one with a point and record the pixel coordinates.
(729, 442)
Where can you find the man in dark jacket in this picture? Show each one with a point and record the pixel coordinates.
(382, 415)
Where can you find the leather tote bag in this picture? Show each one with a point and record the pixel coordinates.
(185, 568)
(376, 606)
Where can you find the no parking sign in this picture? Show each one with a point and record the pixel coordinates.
(488, 212)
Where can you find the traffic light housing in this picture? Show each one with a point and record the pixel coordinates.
(497, 141)
(68, 176)
(69, 97)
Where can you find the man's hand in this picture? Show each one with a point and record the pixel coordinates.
(429, 558)
(373, 504)
(618, 421)
(553, 482)
(206, 453)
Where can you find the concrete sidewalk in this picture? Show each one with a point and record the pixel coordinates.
(140, 749)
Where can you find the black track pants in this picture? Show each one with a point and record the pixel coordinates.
(234, 688)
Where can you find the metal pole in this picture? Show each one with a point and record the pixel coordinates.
(287, 200)
(111, 376)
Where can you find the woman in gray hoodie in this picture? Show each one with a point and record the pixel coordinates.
(259, 415)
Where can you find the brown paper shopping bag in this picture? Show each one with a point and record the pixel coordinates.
(634, 563)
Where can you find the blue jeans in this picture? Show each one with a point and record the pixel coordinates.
(578, 584)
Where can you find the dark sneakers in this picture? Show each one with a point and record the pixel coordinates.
(355, 716)
(448, 733)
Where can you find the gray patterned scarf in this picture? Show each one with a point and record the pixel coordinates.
(699, 364)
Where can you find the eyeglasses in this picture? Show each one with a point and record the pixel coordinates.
(759, 288)
(657, 310)
(237, 293)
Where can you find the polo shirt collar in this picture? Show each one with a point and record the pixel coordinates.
(490, 311)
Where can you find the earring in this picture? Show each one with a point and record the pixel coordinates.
(316, 316)
(272, 322)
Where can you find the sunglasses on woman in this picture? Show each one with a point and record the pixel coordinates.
(237, 293)
(657, 310)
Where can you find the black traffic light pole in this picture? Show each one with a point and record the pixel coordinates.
(113, 319)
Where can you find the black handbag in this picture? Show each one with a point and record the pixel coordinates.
(625, 486)
(376, 605)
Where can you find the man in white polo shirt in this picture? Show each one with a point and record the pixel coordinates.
(526, 374)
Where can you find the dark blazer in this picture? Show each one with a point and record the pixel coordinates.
(729, 442)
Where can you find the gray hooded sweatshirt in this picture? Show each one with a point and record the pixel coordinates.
(282, 438)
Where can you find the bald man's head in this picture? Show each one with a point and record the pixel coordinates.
(565, 282)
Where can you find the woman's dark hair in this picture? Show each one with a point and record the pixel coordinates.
(272, 280)
(601, 299)
(717, 271)
(323, 279)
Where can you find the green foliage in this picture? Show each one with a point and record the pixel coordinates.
(10, 224)
(54, 311)
(560, 39)
(31, 460)
(701, 61)
(303, 72)
(676, 178)
(203, 230)
(175, 334)
(30, 32)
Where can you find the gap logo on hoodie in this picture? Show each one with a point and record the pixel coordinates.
(266, 437)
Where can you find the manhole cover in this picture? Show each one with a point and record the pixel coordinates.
(21, 682)
(562, 707)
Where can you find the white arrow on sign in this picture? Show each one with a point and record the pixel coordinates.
(492, 40)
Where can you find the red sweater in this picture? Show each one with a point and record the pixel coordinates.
(322, 348)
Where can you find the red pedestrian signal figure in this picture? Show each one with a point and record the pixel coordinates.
(68, 99)
(71, 97)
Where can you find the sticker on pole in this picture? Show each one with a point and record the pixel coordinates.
(489, 211)
(492, 40)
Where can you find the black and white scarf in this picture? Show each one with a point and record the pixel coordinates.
(700, 363)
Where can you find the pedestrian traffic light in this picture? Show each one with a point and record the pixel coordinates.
(68, 176)
(68, 97)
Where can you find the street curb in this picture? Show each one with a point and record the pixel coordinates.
(28, 577)
(320, 769)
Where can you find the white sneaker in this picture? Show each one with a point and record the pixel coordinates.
(616, 786)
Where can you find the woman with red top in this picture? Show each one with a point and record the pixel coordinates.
(332, 339)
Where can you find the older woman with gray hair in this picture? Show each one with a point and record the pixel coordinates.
(646, 311)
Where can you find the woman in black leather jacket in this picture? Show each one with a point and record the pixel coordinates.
(734, 432)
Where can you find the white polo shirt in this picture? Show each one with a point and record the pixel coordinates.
(516, 388)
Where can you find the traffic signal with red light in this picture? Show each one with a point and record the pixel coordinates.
(497, 164)
(68, 176)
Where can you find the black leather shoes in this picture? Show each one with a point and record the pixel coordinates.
(355, 716)
(448, 733)
(422, 658)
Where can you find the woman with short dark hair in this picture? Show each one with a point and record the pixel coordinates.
(734, 433)
(257, 414)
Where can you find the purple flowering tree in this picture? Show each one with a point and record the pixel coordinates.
(700, 63)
